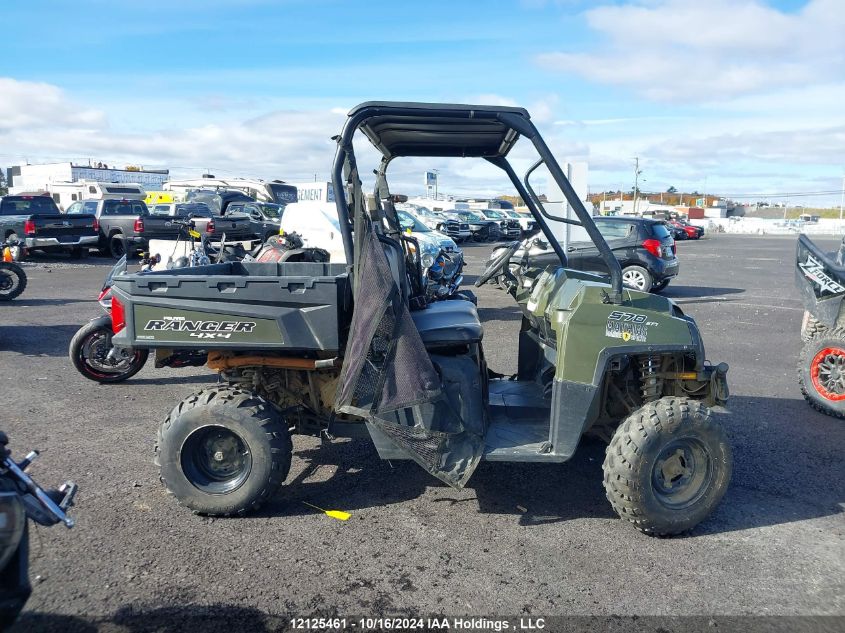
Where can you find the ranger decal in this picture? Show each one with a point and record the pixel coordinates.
(199, 329)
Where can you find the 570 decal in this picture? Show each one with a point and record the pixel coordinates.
(630, 317)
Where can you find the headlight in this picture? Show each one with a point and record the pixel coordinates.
(427, 260)
(12, 523)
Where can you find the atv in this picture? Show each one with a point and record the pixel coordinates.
(331, 349)
(821, 365)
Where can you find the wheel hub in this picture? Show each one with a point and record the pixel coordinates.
(7, 282)
(827, 373)
(216, 460)
(682, 473)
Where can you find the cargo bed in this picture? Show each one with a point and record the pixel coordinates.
(292, 306)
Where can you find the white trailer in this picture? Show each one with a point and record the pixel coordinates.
(66, 193)
(277, 191)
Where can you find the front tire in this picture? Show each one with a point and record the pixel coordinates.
(223, 451)
(89, 350)
(638, 278)
(12, 281)
(667, 466)
(821, 372)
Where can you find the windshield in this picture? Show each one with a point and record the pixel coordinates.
(25, 205)
(124, 207)
(407, 221)
(467, 215)
(270, 210)
(497, 215)
(195, 210)
(283, 194)
(660, 231)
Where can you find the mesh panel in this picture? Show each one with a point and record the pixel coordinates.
(388, 377)
(427, 446)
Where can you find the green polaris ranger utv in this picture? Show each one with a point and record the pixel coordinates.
(349, 349)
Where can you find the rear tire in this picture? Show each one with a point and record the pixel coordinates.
(223, 451)
(821, 372)
(12, 281)
(661, 286)
(667, 466)
(117, 247)
(637, 277)
(76, 253)
(89, 348)
(810, 327)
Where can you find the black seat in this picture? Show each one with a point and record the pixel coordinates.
(452, 322)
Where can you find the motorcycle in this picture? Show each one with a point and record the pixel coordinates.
(91, 350)
(22, 499)
(444, 277)
(12, 275)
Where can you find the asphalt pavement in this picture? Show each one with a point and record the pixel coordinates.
(519, 540)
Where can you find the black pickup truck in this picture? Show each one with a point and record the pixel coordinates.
(37, 221)
(265, 218)
(124, 225)
(235, 226)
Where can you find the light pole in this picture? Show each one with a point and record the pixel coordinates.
(637, 172)
(842, 198)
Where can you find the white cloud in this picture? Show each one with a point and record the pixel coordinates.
(27, 104)
(677, 50)
(39, 122)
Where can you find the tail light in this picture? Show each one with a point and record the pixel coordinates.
(118, 315)
(652, 246)
(29, 227)
(209, 228)
(674, 248)
(139, 226)
(96, 225)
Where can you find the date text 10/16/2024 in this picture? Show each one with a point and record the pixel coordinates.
(464, 624)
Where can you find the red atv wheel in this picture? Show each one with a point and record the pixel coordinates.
(821, 372)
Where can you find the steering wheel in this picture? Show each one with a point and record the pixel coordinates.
(498, 264)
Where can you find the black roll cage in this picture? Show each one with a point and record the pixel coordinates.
(518, 123)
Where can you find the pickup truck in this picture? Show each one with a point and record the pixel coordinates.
(234, 226)
(123, 225)
(37, 221)
(265, 218)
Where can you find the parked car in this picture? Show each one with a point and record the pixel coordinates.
(677, 232)
(122, 225)
(431, 242)
(38, 223)
(233, 225)
(692, 232)
(218, 200)
(265, 218)
(455, 228)
(510, 228)
(480, 227)
(644, 248)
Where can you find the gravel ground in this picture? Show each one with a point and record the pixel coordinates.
(520, 540)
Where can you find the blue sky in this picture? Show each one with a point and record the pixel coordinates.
(745, 94)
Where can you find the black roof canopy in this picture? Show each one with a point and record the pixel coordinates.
(438, 129)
